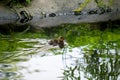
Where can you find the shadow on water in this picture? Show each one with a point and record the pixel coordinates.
(90, 53)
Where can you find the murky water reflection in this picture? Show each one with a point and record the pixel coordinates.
(73, 64)
(28, 63)
(87, 56)
(95, 67)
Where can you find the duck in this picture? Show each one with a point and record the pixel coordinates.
(59, 41)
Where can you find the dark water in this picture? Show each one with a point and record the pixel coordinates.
(87, 55)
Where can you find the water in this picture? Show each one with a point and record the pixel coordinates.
(71, 65)
(96, 58)
(26, 63)
(42, 68)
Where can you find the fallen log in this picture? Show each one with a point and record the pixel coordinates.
(54, 12)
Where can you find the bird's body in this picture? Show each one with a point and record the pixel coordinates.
(59, 41)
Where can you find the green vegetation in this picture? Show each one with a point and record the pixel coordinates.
(19, 3)
(84, 34)
(81, 34)
(95, 67)
(83, 5)
(101, 44)
(15, 3)
(100, 4)
(94, 36)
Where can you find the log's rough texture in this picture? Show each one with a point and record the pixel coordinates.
(45, 13)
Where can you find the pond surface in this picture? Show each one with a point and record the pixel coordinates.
(87, 55)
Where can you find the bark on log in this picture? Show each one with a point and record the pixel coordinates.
(46, 13)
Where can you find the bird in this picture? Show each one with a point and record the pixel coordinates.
(59, 41)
